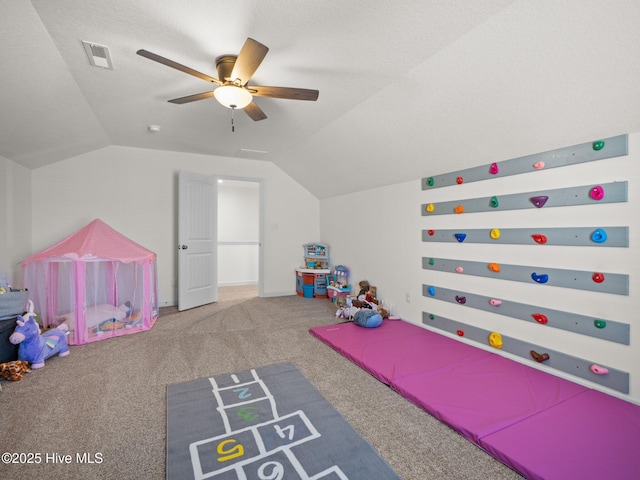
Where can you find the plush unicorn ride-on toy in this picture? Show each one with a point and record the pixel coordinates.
(35, 348)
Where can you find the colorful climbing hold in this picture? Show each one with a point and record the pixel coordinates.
(459, 180)
(493, 169)
(495, 340)
(599, 235)
(431, 232)
(538, 165)
(494, 202)
(495, 233)
(599, 323)
(598, 370)
(539, 202)
(431, 316)
(432, 261)
(598, 277)
(494, 267)
(460, 333)
(539, 238)
(459, 209)
(597, 192)
(461, 300)
(539, 357)
(599, 145)
(460, 236)
(430, 181)
(495, 302)
(431, 290)
(429, 208)
(540, 318)
(544, 278)
(459, 269)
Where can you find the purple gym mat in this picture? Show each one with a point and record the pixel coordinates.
(541, 425)
(396, 349)
(481, 397)
(590, 436)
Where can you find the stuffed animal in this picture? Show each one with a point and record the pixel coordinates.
(35, 348)
(14, 370)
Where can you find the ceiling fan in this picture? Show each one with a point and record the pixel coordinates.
(234, 72)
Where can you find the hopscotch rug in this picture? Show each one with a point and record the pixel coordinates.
(268, 423)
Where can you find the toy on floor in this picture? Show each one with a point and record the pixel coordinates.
(35, 348)
(367, 318)
(14, 370)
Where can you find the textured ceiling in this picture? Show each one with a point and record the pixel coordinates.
(407, 89)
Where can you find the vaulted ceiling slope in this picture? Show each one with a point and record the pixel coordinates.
(407, 89)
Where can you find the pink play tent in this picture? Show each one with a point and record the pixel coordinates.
(97, 281)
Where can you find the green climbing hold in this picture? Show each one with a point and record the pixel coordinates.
(430, 181)
(432, 316)
(600, 323)
(599, 145)
(494, 202)
(432, 261)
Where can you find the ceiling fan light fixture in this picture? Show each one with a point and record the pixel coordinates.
(232, 96)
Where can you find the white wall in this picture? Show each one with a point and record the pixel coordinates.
(238, 232)
(135, 192)
(15, 220)
(383, 245)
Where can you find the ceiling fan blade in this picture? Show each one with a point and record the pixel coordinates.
(192, 98)
(284, 92)
(177, 66)
(254, 111)
(248, 61)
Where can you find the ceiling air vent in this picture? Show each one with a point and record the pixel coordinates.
(98, 55)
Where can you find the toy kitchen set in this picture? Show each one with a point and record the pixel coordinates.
(311, 279)
(314, 279)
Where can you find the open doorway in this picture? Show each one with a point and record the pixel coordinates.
(239, 238)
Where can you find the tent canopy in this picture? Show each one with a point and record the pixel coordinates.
(95, 241)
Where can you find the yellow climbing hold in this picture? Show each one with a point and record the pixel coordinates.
(429, 208)
(495, 340)
(495, 233)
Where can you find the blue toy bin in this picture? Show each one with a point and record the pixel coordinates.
(308, 291)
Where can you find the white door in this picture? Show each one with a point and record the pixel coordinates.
(197, 240)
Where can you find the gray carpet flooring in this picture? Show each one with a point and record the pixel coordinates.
(102, 408)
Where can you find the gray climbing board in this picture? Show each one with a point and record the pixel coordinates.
(583, 324)
(612, 282)
(574, 236)
(615, 379)
(562, 157)
(614, 192)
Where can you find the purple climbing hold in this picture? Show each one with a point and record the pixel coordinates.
(461, 300)
(539, 201)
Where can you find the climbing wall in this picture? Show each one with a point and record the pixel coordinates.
(515, 225)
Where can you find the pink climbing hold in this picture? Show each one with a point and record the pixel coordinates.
(495, 302)
(493, 169)
(598, 370)
(538, 165)
(597, 192)
(459, 269)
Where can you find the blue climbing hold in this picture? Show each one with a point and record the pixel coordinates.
(544, 278)
(460, 236)
(599, 236)
(431, 290)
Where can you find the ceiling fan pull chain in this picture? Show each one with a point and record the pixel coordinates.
(233, 109)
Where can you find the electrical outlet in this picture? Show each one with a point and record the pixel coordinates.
(408, 297)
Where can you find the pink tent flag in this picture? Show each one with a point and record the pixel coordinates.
(97, 281)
